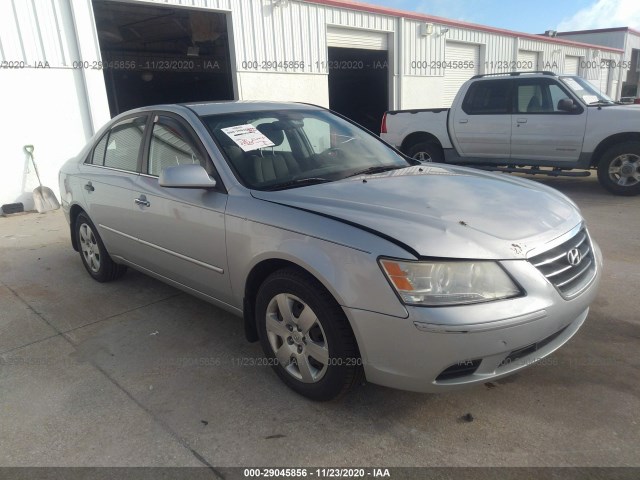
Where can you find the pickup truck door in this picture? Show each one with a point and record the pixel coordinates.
(481, 126)
(540, 131)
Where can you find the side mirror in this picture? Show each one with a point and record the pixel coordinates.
(186, 176)
(566, 105)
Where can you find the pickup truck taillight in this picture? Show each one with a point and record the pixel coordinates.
(636, 101)
(383, 127)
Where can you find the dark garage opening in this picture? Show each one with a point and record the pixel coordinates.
(359, 85)
(154, 55)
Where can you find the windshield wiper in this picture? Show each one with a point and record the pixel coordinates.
(299, 182)
(376, 169)
(601, 102)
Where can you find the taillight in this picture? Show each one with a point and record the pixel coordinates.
(383, 127)
(637, 101)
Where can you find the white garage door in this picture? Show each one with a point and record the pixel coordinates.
(351, 38)
(527, 61)
(455, 76)
(571, 65)
(613, 92)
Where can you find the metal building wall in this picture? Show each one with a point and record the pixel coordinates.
(46, 102)
(621, 39)
(60, 33)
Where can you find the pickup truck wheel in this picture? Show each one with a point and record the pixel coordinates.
(95, 257)
(619, 169)
(306, 337)
(425, 152)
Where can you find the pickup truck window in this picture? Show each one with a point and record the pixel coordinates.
(539, 96)
(488, 97)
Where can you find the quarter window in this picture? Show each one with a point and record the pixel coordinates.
(98, 152)
(171, 145)
(123, 145)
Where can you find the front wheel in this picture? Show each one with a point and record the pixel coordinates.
(619, 169)
(306, 336)
(425, 152)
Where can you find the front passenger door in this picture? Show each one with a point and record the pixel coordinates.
(540, 130)
(181, 231)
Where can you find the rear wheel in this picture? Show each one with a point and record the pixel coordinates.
(94, 255)
(306, 336)
(619, 169)
(425, 152)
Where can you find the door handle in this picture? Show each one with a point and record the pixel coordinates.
(464, 120)
(142, 200)
(522, 120)
(89, 187)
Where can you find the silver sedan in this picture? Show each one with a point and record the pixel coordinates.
(344, 258)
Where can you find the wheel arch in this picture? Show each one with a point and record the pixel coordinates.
(417, 137)
(74, 211)
(259, 273)
(609, 142)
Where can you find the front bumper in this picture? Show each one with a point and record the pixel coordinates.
(477, 343)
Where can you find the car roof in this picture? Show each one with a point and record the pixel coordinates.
(233, 106)
(525, 74)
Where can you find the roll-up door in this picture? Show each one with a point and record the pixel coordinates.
(351, 38)
(456, 54)
(527, 61)
(571, 65)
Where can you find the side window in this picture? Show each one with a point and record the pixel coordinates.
(123, 145)
(488, 97)
(557, 94)
(529, 98)
(98, 152)
(171, 145)
(539, 96)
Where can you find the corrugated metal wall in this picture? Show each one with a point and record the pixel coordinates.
(269, 31)
(32, 32)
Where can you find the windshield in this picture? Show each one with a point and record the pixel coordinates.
(270, 150)
(585, 91)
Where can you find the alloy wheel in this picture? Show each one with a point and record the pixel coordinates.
(297, 338)
(624, 170)
(89, 247)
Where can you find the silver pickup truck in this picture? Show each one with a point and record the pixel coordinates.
(536, 122)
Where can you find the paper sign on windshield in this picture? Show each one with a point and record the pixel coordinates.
(247, 137)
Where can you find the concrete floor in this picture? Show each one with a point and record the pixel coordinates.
(137, 373)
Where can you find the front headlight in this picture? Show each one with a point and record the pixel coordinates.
(449, 282)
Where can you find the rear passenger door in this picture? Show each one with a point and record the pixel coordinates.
(541, 131)
(482, 124)
(181, 230)
(109, 177)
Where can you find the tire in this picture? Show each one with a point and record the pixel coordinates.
(426, 152)
(93, 253)
(619, 169)
(322, 362)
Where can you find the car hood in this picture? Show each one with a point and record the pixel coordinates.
(442, 211)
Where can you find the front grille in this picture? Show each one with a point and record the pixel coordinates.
(457, 370)
(555, 264)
